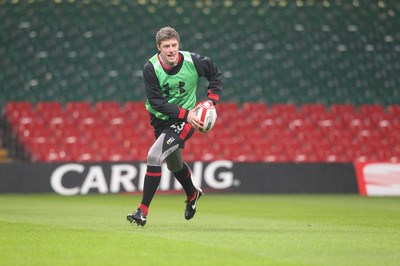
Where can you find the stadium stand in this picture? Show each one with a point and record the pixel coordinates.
(109, 131)
(304, 80)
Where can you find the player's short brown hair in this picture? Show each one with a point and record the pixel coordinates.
(166, 33)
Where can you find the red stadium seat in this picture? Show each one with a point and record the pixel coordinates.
(311, 109)
(136, 111)
(227, 107)
(283, 111)
(226, 111)
(79, 105)
(394, 109)
(339, 109)
(281, 108)
(48, 106)
(107, 106)
(18, 108)
(368, 109)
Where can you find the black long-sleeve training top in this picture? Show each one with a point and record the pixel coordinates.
(205, 67)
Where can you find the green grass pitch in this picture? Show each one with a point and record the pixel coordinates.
(228, 229)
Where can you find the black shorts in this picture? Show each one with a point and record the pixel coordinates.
(179, 131)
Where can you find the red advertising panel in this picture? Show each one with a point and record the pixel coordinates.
(378, 178)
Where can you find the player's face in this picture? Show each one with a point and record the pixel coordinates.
(169, 51)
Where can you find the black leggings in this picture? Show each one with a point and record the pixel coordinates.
(168, 146)
(161, 150)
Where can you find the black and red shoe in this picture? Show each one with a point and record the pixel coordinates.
(138, 217)
(191, 205)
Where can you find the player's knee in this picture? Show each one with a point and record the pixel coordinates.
(172, 168)
(153, 159)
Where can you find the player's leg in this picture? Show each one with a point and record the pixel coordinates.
(181, 171)
(168, 142)
(183, 174)
(156, 155)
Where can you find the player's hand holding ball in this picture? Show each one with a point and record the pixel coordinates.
(206, 113)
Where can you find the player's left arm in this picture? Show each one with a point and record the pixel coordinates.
(207, 68)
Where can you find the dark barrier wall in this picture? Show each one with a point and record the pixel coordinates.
(298, 178)
(84, 178)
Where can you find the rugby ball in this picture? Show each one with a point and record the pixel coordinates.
(207, 114)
